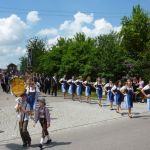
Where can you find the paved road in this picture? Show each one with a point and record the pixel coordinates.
(77, 125)
(122, 134)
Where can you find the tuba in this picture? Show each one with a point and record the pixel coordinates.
(17, 86)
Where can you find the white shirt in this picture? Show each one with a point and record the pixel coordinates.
(147, 87)
(107, 85)
(141, 84)
(25, 117)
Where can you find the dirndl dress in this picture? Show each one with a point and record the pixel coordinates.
(79, 89)
(110, 96)
(31, 99)
(72, 88)
(148, 104)
(128, 100)
(88, 90)
(64, 87)
(118, 97)
(99, 91)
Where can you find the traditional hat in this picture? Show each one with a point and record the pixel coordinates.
(42, 100)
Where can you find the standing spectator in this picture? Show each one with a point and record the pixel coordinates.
(135, 87)
(3, 84)
(6, 83)
(141, 86)
(47, 85)
(54, 84)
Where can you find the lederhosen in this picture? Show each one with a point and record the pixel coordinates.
(43, 123)
(23, 129)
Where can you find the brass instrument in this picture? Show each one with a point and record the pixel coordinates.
(17, 86)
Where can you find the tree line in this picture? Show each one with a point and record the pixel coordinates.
(113, 55)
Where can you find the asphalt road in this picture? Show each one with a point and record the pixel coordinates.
(120, 134)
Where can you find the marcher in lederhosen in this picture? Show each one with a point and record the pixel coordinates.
(43, 116)
(23, 109)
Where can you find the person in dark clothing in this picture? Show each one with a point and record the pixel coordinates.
(135, 87)
(3, 85)
(47, 85)
(7, 83)
(42, 83)
(54, 84)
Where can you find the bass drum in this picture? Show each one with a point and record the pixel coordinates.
(17, 86)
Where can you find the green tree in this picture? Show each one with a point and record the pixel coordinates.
(23, 64)
(38, 48)
(135, 35)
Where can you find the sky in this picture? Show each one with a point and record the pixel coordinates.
(21, 20)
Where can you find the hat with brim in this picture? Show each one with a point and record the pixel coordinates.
(42, 100)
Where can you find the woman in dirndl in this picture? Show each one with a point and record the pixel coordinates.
(99, 90)
(110, 95)
(32, 92)
(146, 92)
(87, 84)
(63, 83)
(72, 87)
(79, 88)
(128, 96)
(118, 96)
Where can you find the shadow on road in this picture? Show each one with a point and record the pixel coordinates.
(53, 144)
(142, 116)
(13, 146)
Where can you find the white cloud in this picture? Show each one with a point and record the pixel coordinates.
(12, 30)
(84, 23)
(13, 33)
(52, 41)
(33, 17)
(72, 27)
(48, 32)
(10, 55)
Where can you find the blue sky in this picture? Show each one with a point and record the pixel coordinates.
(52, 19)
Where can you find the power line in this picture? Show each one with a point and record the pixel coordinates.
(60, 13)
